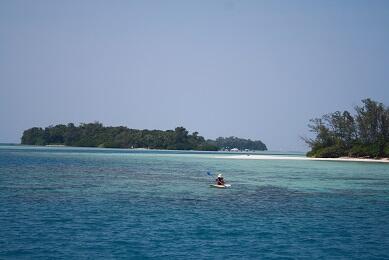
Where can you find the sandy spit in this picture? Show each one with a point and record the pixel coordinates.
(276, 157)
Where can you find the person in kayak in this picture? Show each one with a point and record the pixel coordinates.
(220, 179)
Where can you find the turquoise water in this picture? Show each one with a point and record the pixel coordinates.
(74, 203)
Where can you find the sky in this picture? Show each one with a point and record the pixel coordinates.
(252, 69)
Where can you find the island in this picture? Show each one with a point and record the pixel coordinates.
(364, 134)
(97, 135)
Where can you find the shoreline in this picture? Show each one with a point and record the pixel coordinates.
(228, 155)
(298, 158)
(122, 148)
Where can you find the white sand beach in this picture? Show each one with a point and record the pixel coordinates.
(280, 157)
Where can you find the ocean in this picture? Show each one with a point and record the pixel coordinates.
(86, 203)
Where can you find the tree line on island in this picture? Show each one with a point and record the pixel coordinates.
(97, 135)
(364, 134)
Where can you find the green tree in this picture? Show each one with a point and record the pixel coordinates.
(363, 135)
(33, 136)
(97, 135)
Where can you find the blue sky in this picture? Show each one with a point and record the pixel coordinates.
(253, 69)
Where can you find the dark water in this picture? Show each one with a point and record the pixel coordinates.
(96, 203)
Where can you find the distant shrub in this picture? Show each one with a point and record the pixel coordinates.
(311, 154)
(386, 150)
(334, 151)
(207, 148)
(365, 150)
(331, 152)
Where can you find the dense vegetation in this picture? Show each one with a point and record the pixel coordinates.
(364, 134)
(240, 143)
(97, 135)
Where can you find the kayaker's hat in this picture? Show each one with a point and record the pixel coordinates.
(219, 175)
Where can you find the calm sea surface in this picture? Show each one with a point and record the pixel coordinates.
(74, 203)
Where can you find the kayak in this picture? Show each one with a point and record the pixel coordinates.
(220, 186)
